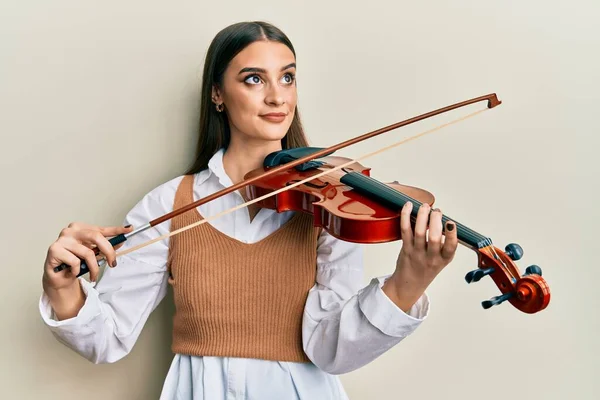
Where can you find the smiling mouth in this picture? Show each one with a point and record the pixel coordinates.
(274, 117)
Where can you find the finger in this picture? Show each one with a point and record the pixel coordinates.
(119, 245)
(84, 253)
(60, 255)
(421, 227)
(434, 242)
(405, 225)
(451, 241)
(82, 225)
(107, 231)
(104, 246)
(110, 231)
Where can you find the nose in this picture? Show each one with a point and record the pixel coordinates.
(274, 96)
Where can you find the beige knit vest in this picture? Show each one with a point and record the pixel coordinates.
(235, 299)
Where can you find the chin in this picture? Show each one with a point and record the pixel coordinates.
(272, 133)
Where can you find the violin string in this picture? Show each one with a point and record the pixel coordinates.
(313, 177)
(463, 228)
(498, 257)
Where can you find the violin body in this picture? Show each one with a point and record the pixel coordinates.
(339, 209)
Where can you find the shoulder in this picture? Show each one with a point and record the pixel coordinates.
(156, 202)
(162, 196)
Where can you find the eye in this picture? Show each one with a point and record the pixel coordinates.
(288, 78)
(253, 79)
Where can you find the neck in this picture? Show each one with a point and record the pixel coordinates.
(243, 156)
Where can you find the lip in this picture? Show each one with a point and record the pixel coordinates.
(275, 117)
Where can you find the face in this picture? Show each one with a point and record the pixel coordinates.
(259, 91)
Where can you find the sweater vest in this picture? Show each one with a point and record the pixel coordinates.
(234, 299)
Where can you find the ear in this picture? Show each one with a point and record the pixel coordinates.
(216, 96)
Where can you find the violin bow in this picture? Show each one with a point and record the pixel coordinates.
(492, 101)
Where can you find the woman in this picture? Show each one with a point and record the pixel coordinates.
(267, 306)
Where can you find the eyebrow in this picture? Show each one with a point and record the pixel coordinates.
(254, 69)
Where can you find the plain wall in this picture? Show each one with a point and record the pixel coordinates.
(99, 104)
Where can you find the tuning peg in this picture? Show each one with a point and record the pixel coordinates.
(477, 274)
(496, 300)
(533, 269)
(514, 251)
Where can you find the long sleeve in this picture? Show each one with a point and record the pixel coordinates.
(346, 325)
(116, 309)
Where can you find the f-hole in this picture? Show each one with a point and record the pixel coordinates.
(310, 184)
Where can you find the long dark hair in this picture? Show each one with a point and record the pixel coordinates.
(214, 132)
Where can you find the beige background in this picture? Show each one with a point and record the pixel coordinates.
(99, 105)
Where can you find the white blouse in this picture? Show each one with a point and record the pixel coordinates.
(345, 325)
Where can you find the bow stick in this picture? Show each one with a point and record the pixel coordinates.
(492, 102)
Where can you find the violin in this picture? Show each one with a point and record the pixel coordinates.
(349, 204)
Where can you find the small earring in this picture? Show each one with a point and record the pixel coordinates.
(220, 107)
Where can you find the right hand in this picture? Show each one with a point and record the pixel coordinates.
(77, 242)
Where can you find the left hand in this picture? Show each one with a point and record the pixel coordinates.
(421, 259)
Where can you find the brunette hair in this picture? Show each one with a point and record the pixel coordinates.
(214, 132)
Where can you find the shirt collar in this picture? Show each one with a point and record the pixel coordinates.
(215, 166)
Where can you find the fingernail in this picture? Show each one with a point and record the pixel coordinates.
(93, 283)
(114, 264)
(127, 226)
(450, 226)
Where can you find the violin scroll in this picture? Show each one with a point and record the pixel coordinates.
(528, 293)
